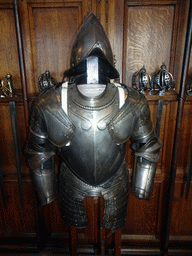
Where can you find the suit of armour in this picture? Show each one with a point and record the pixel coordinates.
(89, 119)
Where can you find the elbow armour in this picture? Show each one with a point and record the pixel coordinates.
(146, 158)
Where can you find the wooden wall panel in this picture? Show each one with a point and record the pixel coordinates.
(49, 31)
(8, 47)
(182, 18)
(150, 38)
(147, 38)
(53, 28)
(94, 233)
(93, 213)
(114, 30)
(185, 138)
(142, 214)
(181, 215)
(54, 36)
(10, 64)
(18, 219)
(181, 218)
(57, 222)
(14, 218)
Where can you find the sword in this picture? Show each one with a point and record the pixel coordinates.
(189, 174)
(16, 146)
(161, 81)
(7, 88)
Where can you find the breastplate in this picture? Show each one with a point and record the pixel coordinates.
(92, 154)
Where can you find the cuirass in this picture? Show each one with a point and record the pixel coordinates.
(92, 154)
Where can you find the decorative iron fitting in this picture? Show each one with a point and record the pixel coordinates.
(162, 81)
(7, 85)
(141, 80)
(45, 81)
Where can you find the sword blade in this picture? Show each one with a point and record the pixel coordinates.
(159, 115)
(16, 146)
(2, 186)
(189, 174)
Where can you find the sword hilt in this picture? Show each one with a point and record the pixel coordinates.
(141, 80)
(162, 81)
(46, 81)
(7, 85)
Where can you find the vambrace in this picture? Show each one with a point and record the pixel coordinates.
(146, 158)
(39, 153)
(44, 182)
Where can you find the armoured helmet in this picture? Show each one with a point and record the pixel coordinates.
(92, 49)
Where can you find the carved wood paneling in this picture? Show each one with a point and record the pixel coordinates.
(151, 34)
(181, 218)
(51, 33)
(142, 214)
(18, 219)
(62, 20)
(57, 222)
(185, 138)
(8, 47)
(181, 214)
(115, 31)
(147, 38)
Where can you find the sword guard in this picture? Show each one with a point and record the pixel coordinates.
(7, 85)
(141, 80)
(162, 81)
(46, 81)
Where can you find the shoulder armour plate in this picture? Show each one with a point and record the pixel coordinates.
(59, 127)
(123, 123)
(143, 129)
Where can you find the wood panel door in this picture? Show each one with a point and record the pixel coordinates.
(14, 218)
(141, 33)
(154, 32)
(181, 225)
